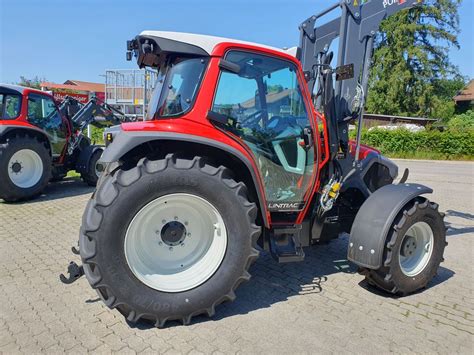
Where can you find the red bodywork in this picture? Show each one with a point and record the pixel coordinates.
(22, 120)
(195, 122)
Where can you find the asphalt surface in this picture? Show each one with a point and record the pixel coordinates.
(320, 305)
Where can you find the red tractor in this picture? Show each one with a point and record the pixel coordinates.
(234, 158)
(40, 140)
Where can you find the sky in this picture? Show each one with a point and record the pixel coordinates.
(60, 39)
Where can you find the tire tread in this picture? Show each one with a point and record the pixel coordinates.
(386, 282)
(107, 193)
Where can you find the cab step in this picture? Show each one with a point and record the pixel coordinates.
(285, 244)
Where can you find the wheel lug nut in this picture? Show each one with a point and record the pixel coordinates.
(186, 223)
(171, 248)
(182, 244)
(175, 218)
(160, 243)
(163, 221)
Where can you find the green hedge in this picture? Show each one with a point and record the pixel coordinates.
(431, 144)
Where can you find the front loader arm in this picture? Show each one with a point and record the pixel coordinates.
(95, 112)
(356, 28)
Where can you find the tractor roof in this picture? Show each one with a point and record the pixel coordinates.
(207, 43)
(16, 89)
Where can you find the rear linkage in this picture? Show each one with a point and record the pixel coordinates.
(75, 271)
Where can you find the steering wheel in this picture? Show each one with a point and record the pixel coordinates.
(252, 120)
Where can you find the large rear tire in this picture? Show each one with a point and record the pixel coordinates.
(25, 168)
(414, 250)
(168, 239)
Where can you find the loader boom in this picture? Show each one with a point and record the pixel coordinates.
(93, 112)
(96, 112)
(356, 27)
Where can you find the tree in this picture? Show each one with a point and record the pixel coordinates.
(462, 122)
(411, 59)
(34, 83)
(443, 105)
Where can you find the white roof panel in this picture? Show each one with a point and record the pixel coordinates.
(207, 43)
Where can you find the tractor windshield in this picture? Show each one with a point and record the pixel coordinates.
(176, 87)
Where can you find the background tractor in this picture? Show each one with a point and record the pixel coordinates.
(234, 157)
(40, 140)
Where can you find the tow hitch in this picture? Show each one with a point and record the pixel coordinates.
(75, 272)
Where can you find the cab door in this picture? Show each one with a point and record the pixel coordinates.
(263, 106)
(43, 113)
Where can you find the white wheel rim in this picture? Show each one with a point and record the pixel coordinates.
(416, 249)
(98, 169)
(25, 168)
(176, 265)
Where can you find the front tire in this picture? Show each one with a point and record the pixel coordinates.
(92, 175)
(25, 168)
(162, 201)
(413, 251)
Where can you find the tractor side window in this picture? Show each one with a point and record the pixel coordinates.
(283, 95)
(43, 113)
(236, 98)
(263, 105)
(176, 91)
(10, 106)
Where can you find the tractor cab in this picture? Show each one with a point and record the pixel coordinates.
(258, 99)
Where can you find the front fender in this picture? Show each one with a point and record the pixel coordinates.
(125, 141)
(82, 164)
(374, 219)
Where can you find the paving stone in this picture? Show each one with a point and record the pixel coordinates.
(319, 305)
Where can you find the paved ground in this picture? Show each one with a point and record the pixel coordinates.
(320, 305)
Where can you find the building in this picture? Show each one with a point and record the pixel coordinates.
(465, 98)
(372, 120)
(127, 90)
(80, 90)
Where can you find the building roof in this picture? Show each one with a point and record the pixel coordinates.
(76, 85)
(393, 118)
(271, 98)
(207, 43)
(467, 94)
(97, 87)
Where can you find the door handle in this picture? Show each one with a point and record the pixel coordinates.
(307, 142)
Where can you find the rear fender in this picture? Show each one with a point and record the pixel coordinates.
(374, 219)
(7, 130)
(124, 142)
